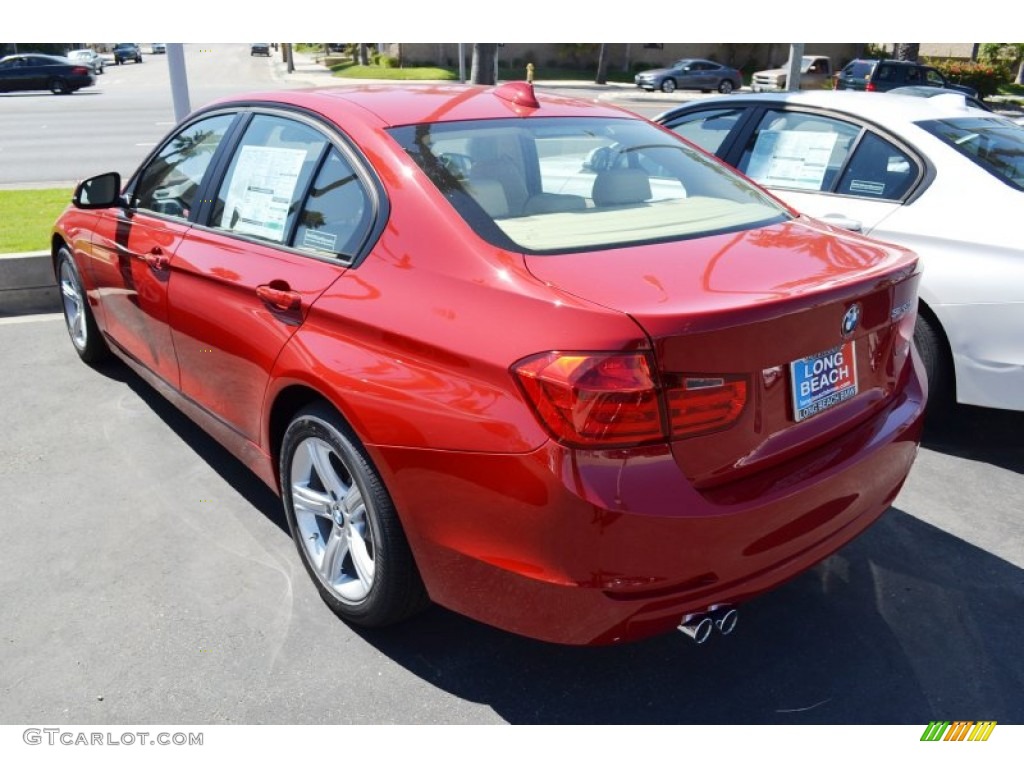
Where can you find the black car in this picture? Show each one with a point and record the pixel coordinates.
(259, 49)
(886, 74)
(40, 72)
(127, 52)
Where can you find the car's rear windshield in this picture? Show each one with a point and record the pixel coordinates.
(995, 144)
(557, 185)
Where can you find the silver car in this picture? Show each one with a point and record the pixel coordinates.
(87, 56)
(694, 74)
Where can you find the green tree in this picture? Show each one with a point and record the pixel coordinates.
(1011, 54)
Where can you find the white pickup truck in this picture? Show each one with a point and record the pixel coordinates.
(815, 72)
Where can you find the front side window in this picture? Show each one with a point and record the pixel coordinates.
(708, 129)
(169, 184)
(268, 175)
(993, 144)
(554, 185)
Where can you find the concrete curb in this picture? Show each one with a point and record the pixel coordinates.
(27, 284)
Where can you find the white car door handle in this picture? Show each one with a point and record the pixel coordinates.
(839, 220)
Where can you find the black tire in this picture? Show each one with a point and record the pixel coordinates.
(345, 509)
(668, 85)
(726, 86)
(78, 318)
(931, 346)
(59, 85)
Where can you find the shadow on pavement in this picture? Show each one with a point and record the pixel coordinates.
(905, 625)
(234, 472)
(981, 434)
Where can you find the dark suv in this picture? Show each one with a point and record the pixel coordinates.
(127, 52)
(886, 74)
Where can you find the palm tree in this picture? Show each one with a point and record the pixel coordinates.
(481, 71)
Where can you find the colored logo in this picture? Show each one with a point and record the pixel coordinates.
(850, 320)
(960, 730)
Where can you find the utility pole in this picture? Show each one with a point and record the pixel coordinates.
(796, 57)
(179, 80)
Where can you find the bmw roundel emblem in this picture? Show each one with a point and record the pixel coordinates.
(851, 319)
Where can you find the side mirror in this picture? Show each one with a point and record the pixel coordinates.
(103, 191)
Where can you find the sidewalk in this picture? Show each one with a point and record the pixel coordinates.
(309, 71)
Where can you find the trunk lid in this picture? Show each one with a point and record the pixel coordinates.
(750, 305)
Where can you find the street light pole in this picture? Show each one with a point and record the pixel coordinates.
(179, 80)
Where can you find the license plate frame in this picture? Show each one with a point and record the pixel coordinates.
(823, 380)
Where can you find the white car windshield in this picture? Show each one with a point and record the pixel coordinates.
(556, 185)
(993, 143)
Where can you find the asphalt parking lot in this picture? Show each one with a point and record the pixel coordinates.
(149, 578)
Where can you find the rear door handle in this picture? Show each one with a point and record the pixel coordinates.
(279, 295)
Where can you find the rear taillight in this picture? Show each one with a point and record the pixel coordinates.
(593, 399)
(869, 87)
(704, 404)
(598, 399)
(80, 70)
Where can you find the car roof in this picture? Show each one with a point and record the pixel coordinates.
(402, 104)
(881, 108)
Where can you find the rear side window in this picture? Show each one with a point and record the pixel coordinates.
(798, 150)
(337, 213)
(813, 153)
(878, 170)
(268, 175)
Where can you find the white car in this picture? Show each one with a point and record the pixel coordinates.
(935, 175)
(89, 57)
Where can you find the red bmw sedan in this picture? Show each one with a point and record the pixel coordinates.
(534, 359)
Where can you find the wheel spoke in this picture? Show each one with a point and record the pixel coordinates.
(78, 326)
(309, 501)
(319, 456)
(364, 564)
(334, 555)
(69, 291)
(353, 500)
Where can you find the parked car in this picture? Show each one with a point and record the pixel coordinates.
(156, 48)
(127, 52)
(815, 72)
(41, 72)
(885, 74)
(927, 91)
(89, 57)
(930, 174)
(259, 49)
(695, 74)
(586, 406)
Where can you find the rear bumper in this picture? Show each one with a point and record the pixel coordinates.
(604, 547)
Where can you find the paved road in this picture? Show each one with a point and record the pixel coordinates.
(49, 140)
(112, 125)
(143, 564)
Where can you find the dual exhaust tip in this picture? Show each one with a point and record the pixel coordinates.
(698, 626)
